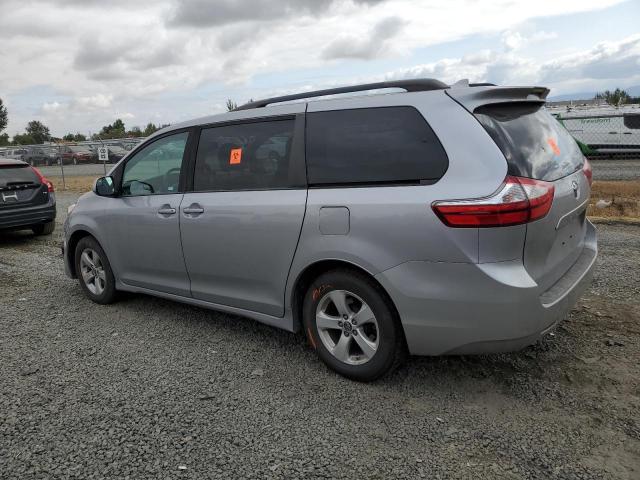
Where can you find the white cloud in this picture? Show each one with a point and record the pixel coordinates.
(51, 107)
(98, 100)
(604, 64)
(514, 40)
(96, 58)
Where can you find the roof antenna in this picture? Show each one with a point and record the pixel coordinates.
(461, 83)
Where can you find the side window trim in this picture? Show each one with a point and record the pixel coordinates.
(297, 162)
(119, 174)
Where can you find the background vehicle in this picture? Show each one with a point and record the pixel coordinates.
(40, 155)
(27, 198)
(75, 154)
(444, 220)
(603, 127)
(16, 153)
(116, 153)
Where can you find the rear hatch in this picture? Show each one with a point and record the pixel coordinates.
(536, 146)
(20, 186)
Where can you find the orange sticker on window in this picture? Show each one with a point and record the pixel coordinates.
(235, 156)
(554, 146)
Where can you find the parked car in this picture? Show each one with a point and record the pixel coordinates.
(445, 220)
(27, 198)
(52, 155)
(75, 154)
(16, 153)
(40, 155)
(116, 153)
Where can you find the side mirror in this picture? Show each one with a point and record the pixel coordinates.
(104, 187)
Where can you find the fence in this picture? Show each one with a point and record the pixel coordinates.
(605, 135)
(71, 153)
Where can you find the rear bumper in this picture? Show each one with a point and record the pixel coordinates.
(463, 308)
(26, 216)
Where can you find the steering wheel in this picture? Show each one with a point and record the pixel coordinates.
(167, 176)
(127, 185)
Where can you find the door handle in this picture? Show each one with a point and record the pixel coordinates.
(167, 210)
(193, 209)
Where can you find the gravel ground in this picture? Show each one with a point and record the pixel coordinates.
(147, 388)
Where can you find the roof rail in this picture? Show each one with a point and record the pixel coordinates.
(416, 85)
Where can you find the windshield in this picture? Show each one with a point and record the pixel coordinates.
(534, 143)
(80, 149)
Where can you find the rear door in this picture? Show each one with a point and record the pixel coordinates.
(240, 225)
(537, 146)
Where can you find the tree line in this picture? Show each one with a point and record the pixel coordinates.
(616, 97)
(36, 132)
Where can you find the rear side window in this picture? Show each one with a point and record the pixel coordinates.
(17, 175)
(534, 143)
(248, 156)
(372, 146)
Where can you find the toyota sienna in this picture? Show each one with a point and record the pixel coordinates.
(434, 220)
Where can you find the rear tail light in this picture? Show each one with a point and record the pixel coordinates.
(44, 180)
(518, 201)
(588, 172)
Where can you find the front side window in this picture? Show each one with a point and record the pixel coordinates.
(156, 168)
(249, 156)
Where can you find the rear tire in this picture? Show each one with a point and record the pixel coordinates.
(359, 334)
(94, 271)
(44, 228)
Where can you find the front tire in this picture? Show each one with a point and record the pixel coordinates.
(94, 271)
(352, 324)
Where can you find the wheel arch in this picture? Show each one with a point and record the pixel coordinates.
(313, 271)
(72, 243)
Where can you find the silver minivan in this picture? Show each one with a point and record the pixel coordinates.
(430, 220)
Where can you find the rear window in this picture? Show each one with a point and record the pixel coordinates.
(372, 146)
(534, 143)
(15, 175)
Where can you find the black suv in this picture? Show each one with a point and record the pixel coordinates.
(27, 198)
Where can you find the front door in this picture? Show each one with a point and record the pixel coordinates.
(143, 222)
(240, 225)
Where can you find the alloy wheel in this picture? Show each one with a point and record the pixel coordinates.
(347, 327)
(92, 270)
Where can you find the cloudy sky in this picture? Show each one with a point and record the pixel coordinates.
(79, 64)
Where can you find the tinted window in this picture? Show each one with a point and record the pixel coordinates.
(373, 145)
(534, 143)
(156, 168)
(16, 175)
(80, 149)
(249, 156)
(632, 121)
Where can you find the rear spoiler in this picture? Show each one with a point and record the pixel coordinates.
(472, 98)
